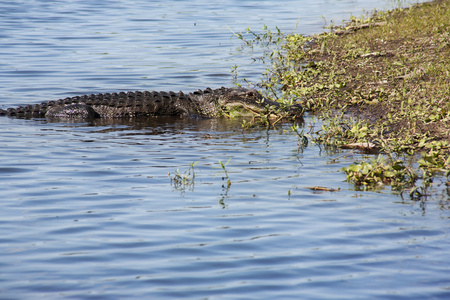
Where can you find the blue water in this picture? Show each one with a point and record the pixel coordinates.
(92, 211)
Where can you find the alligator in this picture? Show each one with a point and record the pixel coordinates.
(201, 103)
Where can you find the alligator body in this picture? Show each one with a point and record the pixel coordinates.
(203, 103)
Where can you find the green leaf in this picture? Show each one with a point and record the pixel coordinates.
(366, 169)
(398, 165)
(389, 174)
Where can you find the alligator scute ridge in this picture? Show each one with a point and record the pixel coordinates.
(205, 103)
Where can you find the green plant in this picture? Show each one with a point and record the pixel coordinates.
(234, 74)
(223, 166)
(302, 137)
(184, 179)
(378, 172)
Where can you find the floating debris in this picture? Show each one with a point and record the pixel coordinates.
(322, 188)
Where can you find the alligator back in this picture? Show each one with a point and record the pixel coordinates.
(123, 104)
(208, 103)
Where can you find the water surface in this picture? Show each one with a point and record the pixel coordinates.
(90, 210)
(55, 49)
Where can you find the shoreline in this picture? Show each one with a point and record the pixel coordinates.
(383, 80)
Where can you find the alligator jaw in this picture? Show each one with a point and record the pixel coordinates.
(244, 102)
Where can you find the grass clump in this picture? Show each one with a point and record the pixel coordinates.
(181, 180)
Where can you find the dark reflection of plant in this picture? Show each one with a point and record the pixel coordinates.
(223, 197)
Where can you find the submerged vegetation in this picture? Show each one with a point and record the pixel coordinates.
(186, 179)
(382, 80)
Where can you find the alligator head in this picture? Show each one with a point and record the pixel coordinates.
(242, 102)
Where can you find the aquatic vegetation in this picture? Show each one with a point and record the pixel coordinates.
(224, 169)
(379, 172)
(302, 137)
(185, 179)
